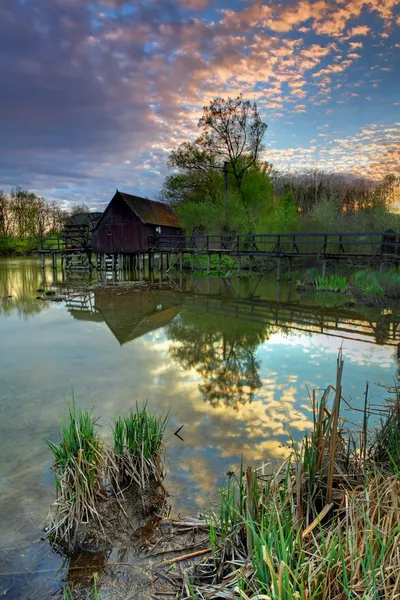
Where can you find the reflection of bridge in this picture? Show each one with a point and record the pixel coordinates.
(131, 315)
(341, 323)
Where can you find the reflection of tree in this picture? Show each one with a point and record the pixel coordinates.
(222, 350)
(18, 285)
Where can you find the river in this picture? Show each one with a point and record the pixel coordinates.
(232, 360)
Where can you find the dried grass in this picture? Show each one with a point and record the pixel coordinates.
(325, 526)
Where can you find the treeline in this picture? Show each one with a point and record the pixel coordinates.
(221, 184)
(26, 217)
(341, 202)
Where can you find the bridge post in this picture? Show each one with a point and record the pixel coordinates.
(42, 260)
(323, 268)
(289, 268)
(181, 261)
(219, 263)
(209, 264)
(54, 260)
(278, 269)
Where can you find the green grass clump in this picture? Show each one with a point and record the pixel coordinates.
(200, 262)
(78, 460)
(138, 446)
(79, 442)
(333, 283)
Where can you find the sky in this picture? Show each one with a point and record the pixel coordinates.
(96, 93)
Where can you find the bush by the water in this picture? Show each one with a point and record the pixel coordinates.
(373, 287)
(11, 246)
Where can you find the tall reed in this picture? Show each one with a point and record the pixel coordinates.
(324, 526)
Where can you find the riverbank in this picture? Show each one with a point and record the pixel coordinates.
(323, 524)
(368, 287)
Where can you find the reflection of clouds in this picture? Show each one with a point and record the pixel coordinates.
(319, 344)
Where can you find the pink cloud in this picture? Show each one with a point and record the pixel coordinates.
(359, 30)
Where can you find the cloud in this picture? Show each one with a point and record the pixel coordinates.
(92, 92)
(360, 30)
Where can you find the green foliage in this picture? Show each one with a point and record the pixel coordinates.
(333, 283)
(284, 217)
(373, 286)
(79, 444)
(138, 447)
(325, 525)
(201, 262)
(205, 210)
(11, 246)
(78, 462)
(86, 469)
(139, 433)
(230, 144)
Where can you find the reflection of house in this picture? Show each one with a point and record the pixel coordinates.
(128, 315)
(132, 315)
(129, 221)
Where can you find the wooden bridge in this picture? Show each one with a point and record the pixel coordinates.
(378, 247)
(246, 251)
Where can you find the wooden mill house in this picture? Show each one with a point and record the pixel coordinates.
(128, 227)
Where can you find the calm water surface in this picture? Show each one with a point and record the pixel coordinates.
(234, 371)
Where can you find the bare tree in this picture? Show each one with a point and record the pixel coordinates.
(232, 133)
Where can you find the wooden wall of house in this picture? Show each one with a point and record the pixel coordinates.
(121, 231)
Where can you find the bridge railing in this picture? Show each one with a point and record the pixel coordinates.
(336, 245)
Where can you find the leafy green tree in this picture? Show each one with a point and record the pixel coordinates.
(229, 146)
(285, 217)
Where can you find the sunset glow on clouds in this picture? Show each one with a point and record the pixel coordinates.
(95, 93)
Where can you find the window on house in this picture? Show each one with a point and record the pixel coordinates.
(158, 229)
(109, 232)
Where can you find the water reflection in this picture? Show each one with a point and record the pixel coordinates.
(223, 351)
(19, 281)
(243, 347)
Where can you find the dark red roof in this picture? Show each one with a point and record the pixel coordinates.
(150, 211)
